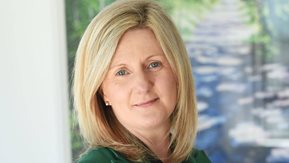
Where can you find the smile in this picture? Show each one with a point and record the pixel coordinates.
(146, 103)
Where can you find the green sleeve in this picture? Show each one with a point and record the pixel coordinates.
(98, 155)
(198, 156)
(106, 155)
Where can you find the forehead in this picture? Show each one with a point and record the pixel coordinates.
(138, 42)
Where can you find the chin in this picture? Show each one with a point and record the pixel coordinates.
(152, 123)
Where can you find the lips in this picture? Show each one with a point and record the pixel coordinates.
(146, 103)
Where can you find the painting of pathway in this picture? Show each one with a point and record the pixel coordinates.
(243, 107)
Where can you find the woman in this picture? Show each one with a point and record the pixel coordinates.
(133, 88)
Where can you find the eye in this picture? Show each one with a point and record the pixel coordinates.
(121, 72)
(154, 65)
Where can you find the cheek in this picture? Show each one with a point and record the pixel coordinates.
(168, 88)
(117, 93)
(119, 99)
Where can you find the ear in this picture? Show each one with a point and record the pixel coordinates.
(106, 101)
(100, 92)
(105, 98)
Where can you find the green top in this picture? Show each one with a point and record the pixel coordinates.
(108, 155)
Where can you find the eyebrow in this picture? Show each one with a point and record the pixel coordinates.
(122, 64)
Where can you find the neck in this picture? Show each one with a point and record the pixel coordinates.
(157, 140)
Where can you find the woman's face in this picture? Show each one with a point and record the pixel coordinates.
(140, 85)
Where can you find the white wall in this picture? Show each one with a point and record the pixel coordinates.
(33, 82)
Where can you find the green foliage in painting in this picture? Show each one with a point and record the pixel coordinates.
(269, 19)
(78, 16)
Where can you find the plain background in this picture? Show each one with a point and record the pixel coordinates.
(33, 82)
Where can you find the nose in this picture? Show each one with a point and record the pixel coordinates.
(143, 82)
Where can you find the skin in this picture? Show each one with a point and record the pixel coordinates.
(142, 89)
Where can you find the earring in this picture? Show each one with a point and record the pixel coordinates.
(107, 103)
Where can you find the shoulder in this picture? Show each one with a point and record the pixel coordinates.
(198, 156)
(100, 154)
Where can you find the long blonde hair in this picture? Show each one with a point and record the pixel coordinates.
(98, 124)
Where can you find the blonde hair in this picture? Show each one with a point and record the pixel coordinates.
(98, 124)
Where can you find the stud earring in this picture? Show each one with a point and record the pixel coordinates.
(107, 103)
